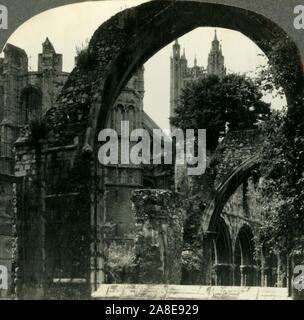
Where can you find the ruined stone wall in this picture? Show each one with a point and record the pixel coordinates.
(53, 221)
(236, 147)
(6, 227)
(242, 208)
(237, 199)
(50, 84)
(202, 192)
(110, 202)
(13, 67)
(159, 236)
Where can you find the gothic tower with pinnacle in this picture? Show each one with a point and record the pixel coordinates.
(175, 77)
(216, 59)
(180, 73)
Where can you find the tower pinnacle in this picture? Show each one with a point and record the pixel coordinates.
(216, 63)
(176, 50)
(48, 46)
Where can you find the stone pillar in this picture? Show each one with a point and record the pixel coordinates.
(280, 272)
(224, 274)
(262, 271)
(248, 273)
(159, 235)
(255, 275)
(243, 278)
(207, 264)
(263, 278)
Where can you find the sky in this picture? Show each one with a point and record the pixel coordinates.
(69, 27)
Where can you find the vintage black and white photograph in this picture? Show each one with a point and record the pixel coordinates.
(152, 150)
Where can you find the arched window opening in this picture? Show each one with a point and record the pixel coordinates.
(244, 264)
(222, 256)
(31, 105)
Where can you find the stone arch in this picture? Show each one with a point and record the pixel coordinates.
(118, 48)
(30, 104)
(222, 255)
(244, 261)
(18, 17)
(224, 192)
(245, 236)
(130, 38)
(124, 43)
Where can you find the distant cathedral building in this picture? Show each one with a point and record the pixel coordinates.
(181, 73)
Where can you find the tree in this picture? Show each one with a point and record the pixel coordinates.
(275, 196)
(213, 103)
(283, 156)
(282, 192)
(283, 152)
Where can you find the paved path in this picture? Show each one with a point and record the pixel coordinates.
(178, 292)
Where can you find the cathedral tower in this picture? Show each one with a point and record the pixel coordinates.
(176, 77)
(181, 74)
(216, 59)
(49, 59)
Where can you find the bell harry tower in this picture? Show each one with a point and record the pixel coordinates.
(180, 73)
(216, 59)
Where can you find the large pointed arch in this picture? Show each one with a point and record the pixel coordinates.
(222, 254)
(126, 41)
(225, 190)
(244, 257)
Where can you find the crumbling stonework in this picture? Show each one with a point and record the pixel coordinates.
(236, 148)
(62, 172)
(159, 235)
(46, 254)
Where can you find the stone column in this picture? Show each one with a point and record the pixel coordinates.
(247, 275)
(280, 273)
(224, 274)
(243, 278)
(207, 263)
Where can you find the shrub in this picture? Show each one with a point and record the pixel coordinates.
(85, 58)
(120, 263)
